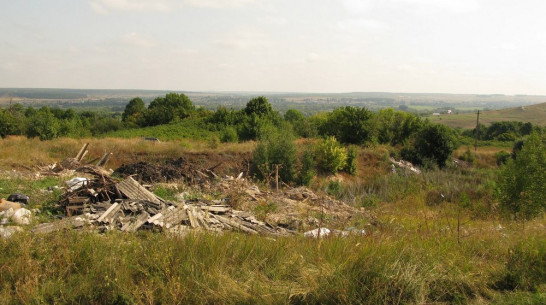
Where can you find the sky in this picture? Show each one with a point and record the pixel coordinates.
(437, 46)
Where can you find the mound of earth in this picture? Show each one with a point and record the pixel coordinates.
(169, 170)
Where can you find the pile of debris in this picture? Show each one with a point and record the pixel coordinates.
(100, 201)
(128, 206)
(68, 166)
(405, 165)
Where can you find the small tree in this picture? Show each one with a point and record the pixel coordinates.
(433, 142)
(276, 146)
(134, 112)
(522, 185)
(259, 106)
(331, 156)
(307, 172)
(352, 154)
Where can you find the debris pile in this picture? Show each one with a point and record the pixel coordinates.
(68, 166)
(406, 165)
(139, 209)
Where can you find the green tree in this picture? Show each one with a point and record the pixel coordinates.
(258, 106)
(522, 183)
(433, 142)
(11, 123)
(44, 125)
(293, 116)
(349, 125)
(173, 106)
(276, 146)
(134, 112)
(330, 155)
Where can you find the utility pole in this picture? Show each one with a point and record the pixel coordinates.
(477, 132)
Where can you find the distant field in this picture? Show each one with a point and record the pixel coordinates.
(535, 114)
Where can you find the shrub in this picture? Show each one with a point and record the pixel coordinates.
(331, 156)
(275, 147)
(307, 172)
(434, 142)
(523, 180)
(468, 156)
(352, 154)
(229, 135)
(502, 157)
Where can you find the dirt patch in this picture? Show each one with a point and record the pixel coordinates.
(192, 168)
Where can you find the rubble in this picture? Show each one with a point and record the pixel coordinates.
(97, 200)
(406, 165)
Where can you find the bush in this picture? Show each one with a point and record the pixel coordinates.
(275, 147)
(432, 143)
(468, 156)
(352, 154)
(331, 156)
(229, 135)
(502, 157)
(307, 172)
(522, 185)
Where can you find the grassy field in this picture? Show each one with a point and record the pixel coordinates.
(434, 238)
(535, 114)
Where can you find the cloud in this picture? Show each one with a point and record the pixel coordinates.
(218, 3)
(104, 6)
(359, 7)
(362, 24)
(137, 40)
(243, 40)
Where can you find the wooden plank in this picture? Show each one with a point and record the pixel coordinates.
(114, 206)
(216, 208)
(82, 151)
(235, 224)
(191, 216)
(136, 223)
(133, 190)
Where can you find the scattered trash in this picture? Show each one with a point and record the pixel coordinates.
(406, 165)
(316, 233)
(18, 198)
(76, 183)
(22, 216)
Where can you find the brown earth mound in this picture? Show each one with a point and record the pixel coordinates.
(169, 170)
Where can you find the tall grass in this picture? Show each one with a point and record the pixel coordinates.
(85, 267)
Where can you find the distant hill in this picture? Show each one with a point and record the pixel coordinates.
(535, 114)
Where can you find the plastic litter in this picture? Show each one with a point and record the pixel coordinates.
(76, 183)
(17, 197)
(22, 216)
(315, 233)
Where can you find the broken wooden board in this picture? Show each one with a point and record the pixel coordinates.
(133, 190)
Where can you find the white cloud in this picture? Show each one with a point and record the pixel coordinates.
(137, 40)
(275, 20)
(104, 6)
(414, 6)
(218, 3)
(362, 24)
(244, 39)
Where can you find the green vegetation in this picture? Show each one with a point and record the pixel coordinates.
(523, 180)
(454, 234)
(81, 267)
(535, 114)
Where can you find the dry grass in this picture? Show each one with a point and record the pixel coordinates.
(535, 114)
(20, 152)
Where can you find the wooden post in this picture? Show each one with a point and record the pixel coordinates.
(477, 132)
(277, 176)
